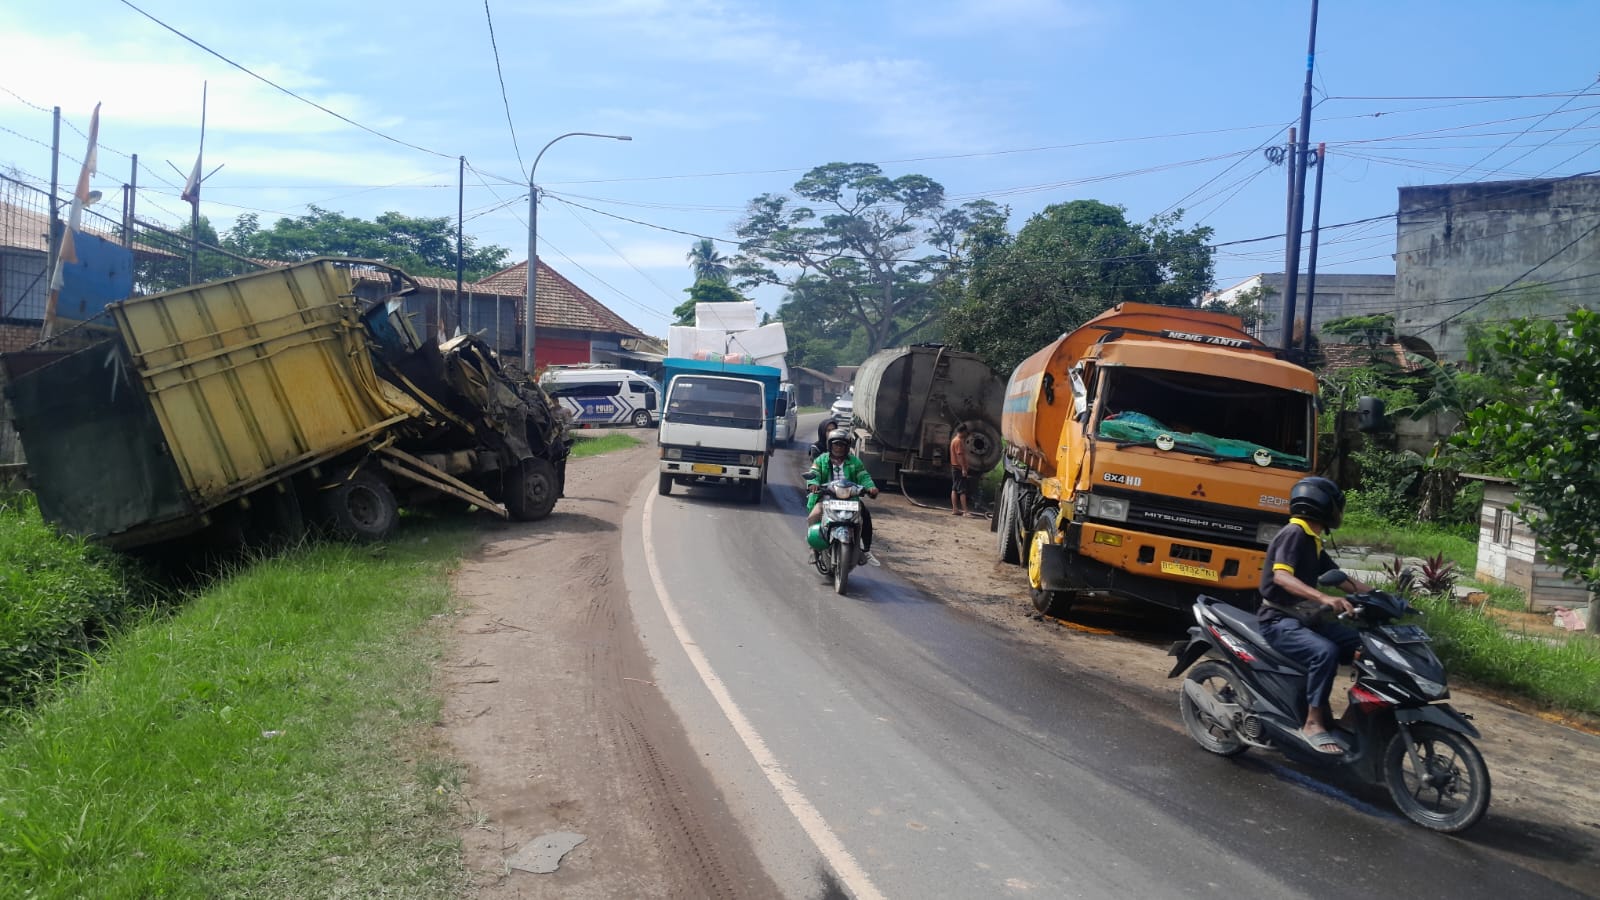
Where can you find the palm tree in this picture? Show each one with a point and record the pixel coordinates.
(706, 263)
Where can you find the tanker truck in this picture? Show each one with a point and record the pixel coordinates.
(908, 402)
(1149, 456)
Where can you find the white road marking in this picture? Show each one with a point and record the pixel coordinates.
(833, 852)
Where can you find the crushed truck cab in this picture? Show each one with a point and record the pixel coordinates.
(1150, 454)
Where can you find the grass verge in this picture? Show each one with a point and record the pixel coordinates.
(267, 739)
(1419, 540)
(584, 445)
(1562, 672)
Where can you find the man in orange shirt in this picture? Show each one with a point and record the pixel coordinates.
(960, 476)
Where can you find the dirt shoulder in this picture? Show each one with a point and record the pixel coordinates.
(1546, 798)
(549, 703)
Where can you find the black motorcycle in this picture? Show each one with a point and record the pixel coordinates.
(836, 537)
(1245, 694)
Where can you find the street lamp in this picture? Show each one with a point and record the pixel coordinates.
(529, 299)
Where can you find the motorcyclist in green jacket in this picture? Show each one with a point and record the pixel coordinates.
(839, 463)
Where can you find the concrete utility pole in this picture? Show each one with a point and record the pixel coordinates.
(1297, 202)
(531, 297)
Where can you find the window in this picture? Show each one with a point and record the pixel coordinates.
(1503, 521)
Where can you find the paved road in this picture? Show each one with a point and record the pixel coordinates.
(881, 744)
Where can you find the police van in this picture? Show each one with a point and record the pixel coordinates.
(596, 396)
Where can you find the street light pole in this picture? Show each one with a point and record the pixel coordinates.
(530, 298)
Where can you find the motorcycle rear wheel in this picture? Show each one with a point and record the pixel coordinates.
(1217, 680)
(1451, 793)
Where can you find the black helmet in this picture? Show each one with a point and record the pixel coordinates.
(840, 435)
(1319, 499)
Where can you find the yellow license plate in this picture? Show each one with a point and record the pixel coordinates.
(1172, 568)
(706, 469)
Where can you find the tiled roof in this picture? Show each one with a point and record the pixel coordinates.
(23, 229)
(560, 303)
(1355, 356)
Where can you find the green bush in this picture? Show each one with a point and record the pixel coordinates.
(60, 596)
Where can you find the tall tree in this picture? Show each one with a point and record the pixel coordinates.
(420, 246)
(1546, 438)
(704, 291)
(706, 263)
(1067, 264)
(858, 246)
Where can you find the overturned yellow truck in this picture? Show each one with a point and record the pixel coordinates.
(253, 406)
(1149, 457)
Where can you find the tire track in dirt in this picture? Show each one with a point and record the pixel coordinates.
(559, 725)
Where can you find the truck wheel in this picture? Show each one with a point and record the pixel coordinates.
(361, 507)
(1047, 602)
(1007, 543)
(532, 491)
(641, 419)
(665, 487)
(753, 491)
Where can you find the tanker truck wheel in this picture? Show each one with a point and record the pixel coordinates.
(1047, 602)
(532, 491)
(1008, 543)
(361, 507)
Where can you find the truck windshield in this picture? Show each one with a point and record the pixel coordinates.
(715, 401)
(1205, 415)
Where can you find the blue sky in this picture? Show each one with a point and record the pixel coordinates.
(1148, 105)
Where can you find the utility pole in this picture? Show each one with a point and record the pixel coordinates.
(1311, 263)
(1297, 163)
(461, 211)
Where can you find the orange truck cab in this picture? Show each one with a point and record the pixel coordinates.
(1149, 456)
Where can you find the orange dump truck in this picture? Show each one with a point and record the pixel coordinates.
(1149, 456)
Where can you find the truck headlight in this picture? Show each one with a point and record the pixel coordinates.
(1266, 531)
(673, 453)
(1109, 508)
(749, 459)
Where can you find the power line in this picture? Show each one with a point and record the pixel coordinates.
(500, 74)
(1513, 140)
(269, 82)
(619, 253)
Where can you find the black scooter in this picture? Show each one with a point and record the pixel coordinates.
(1245, 694)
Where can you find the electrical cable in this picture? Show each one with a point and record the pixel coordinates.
(506, 101)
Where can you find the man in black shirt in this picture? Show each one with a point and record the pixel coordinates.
(1295, 615)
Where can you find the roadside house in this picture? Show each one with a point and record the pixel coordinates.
(1509, 554)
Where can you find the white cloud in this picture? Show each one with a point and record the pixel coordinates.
(642, 255)
(946, 18)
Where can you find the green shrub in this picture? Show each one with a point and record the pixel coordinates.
(61, 595)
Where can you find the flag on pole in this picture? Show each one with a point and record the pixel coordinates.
(80, 199)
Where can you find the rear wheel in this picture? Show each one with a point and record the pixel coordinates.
(533, 490)
(665, 487)
(641, 419)
(1445, 787)
(1046, 601)
(1007, 544)
(361, 507)
(1216, 682)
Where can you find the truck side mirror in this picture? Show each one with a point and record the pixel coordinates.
(1370, 414)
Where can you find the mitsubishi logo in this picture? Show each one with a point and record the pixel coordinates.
(1199, 491)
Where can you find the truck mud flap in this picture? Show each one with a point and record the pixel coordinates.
(1053, 568)
(406, 466)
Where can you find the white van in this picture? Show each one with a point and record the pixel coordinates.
(788, 417)
(597, 396)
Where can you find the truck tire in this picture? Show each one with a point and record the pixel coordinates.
(753, 491)
(665, 487)
(360, 507)
(1007, 543)
(533, 490)
(1047, 602)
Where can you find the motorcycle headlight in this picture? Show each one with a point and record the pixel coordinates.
(1431, 689)
(673, 453)
(1393, 657)
(1266, 531)
(1109, 508)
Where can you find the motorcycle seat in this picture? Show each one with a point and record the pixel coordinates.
(1246, 625)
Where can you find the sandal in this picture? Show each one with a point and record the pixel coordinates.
(1323, 742)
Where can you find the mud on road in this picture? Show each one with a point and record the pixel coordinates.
(549, 704)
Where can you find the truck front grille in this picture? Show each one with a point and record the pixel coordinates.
(710, 455)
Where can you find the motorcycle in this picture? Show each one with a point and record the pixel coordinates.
(1245, 694)
(836, 537)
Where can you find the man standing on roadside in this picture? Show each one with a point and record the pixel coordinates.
(960, 477)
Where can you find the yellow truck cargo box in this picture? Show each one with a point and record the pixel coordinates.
(251, 376)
